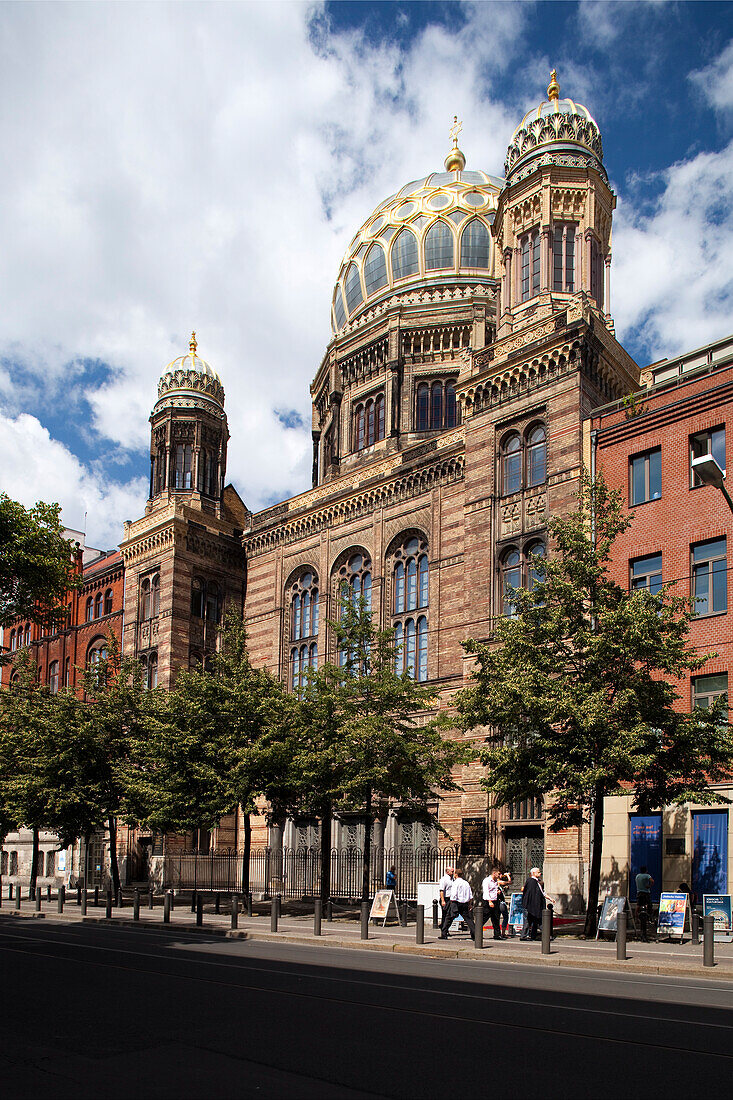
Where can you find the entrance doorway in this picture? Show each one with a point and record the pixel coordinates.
(525, 849)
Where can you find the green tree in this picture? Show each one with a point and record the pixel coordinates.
(571, 688)
(388, 745)
(37, 566)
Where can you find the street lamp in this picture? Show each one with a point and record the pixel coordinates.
(710, 473)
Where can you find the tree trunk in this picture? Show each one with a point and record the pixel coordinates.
(326, 812)
(366, 861)
(594, 881)
(34, 866)
(113, 864)
(247, 853)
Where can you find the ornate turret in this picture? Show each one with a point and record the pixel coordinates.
(189, 431)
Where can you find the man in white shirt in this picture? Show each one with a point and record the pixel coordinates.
(490, 888)
(445, 887)
(461, 898)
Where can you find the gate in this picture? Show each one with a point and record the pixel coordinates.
(525, 849)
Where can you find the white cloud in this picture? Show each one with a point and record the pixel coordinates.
(172, 167)
(44, 469)
(672, 279)
(716, 80)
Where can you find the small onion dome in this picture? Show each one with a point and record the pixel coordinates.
(190, 374)
(559, 131)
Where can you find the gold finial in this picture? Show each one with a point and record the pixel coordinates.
(553, 90)
(193, 345)
(455, 161)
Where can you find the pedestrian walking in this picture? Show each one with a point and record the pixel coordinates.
(644, 883)
(534, 900)
(505, 882)
(461, 897)
(491, 889)
(445, 888)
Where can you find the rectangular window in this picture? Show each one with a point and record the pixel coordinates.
(710, 577)
(525, 269)
(535, 263)
(707, 443)
(570, 259)
(563, 258)
(557, 258)
(647, 573)
(706, 689)
(645, 478)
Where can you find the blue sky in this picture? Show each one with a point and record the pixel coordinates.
(204, 166)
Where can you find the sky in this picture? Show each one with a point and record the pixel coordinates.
(169, 167)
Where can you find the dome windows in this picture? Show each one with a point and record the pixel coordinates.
(352, 286)
(375, 270)
(338, 308)
(475, 245)
(438, 247)
(405, 260)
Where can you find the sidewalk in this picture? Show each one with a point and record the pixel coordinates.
(662, 957)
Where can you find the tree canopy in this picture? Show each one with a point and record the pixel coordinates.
(576, 689)
(37, 565)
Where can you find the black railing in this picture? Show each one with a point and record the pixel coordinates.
(296, 872)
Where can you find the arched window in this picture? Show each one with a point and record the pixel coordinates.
(475, 245)
(438, 247)
(98, 599)
(67, 672)
(145, 600)
(149, 661)
(352, 287)
(27, 639)
(537, 456)
(338, 308)
(353, 581)
(304, 623)
(530, 255)
(511, 577)
(451, 406)
(197, 598)
(422, 412)
(375, 269)
(108, 602)
(155, 595)
(96, 658)
(511, 465)
(359, 427)
(183, 466)
(213, 602)
(563, 258)
(410, 594)
(379, 407)
(596, 273)
(53, 677)
(535, 564)
(89, 612)
(404, 255)
(436, 405)
(368, 422)
(12, 641)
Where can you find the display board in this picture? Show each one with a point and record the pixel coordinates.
(612, 906)
(473, 836)
(672, 912)
(383, 901)
(516, 912)
(718, 906)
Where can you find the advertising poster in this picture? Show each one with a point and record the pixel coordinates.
(612, 906)
(672, 909)
(646, 850)
(718, 906)
(380, 906)
(516, 912)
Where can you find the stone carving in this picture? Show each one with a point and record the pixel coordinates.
(511, 519)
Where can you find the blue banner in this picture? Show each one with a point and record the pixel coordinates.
(710, 852)
(645, 848)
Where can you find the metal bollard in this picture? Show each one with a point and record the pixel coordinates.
(695, 929)
(60, 899)
(403, 914)
(84, 902)
(621, 926)
(708, 949)
(546, 931)
(193, 901)
(108, 905)
(10, 891)
(167, 907)
(38, 900)
(48, 893)
(199, 910)
(274, 914)
(235, 911)
(78, 895)
(329, 910)
(96, 897)
(249, 904)
(317, 916)
(217, 903)
(278, 903)
(118, 899)
(173, 899)
(478, 920)
(136, 905)
(151, 902)
(365, 907)
(420, 924)
(435, 912)
(17, 898)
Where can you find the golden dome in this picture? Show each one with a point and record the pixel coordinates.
(557, 128)
(434, 231)
(190, 373)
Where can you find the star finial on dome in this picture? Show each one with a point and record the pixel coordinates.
(553, 90)
(193, 345)
(455, 161)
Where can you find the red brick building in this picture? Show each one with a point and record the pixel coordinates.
(682, 532)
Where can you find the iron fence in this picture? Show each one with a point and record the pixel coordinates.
(296, 872)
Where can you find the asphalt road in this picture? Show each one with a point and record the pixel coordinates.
(110, 1012)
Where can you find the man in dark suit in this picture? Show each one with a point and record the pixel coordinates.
(534, 900)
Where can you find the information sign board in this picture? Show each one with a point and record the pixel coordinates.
(612, 906)
(718, 906)
(383, 899)
(672, 910)
(473, 836)
(516, 912)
